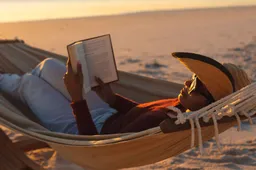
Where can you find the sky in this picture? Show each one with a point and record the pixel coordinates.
(23, 10)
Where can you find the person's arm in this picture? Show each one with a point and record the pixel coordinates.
(116, 101)
(83, 117)
(74, 84)
(144, 121)
(122, 104)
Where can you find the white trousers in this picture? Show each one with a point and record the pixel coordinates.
(43, 90)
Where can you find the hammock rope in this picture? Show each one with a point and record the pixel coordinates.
(241, 102)
(248, 116)
(200, 139)
(216, 130)
(192, 124)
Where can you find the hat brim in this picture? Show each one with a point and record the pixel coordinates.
(217, 79)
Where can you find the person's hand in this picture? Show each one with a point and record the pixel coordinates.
(105, 92)
(74, 82)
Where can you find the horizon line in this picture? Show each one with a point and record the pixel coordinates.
(130, 13)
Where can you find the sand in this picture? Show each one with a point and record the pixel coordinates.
(143, 44)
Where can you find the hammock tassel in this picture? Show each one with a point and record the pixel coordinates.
(200, 140)
(233, 111)
(216, 132)
(192, 124)
(248, 116)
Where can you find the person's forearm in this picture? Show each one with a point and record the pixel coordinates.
(83, 117)
(122, 104)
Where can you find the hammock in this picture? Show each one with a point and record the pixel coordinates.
(130, 149)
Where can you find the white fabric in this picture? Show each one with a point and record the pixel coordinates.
(1, 76)
(9, 83)
(45, 93)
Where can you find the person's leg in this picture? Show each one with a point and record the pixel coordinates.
(49, 104)
(52, 71)
(52, 109)
(9, 83)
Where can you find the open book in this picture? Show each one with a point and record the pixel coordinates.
(97, 59)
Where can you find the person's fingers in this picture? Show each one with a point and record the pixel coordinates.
(99, 81)
(65, 78)
(95, 78)
(65, 75)
(97, 89)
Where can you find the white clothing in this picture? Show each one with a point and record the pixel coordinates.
(43, 90)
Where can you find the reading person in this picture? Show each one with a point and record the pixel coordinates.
(101, 111)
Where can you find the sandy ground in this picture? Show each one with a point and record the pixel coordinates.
(143, 44)
(142, 40)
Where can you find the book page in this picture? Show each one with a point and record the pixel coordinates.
(100, 59)
(76, 54)
(73, 51)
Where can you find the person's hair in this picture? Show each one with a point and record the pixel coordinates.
(241, 79)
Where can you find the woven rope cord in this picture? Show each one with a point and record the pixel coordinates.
(242, 102)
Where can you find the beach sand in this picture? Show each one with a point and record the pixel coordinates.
(143, 44)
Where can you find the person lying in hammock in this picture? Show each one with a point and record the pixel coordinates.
(101, 111)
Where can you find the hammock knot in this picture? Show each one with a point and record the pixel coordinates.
(232, 110)
(207, 117)
(181, 119)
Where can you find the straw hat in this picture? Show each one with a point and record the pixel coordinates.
(220, 80)
(240, 77)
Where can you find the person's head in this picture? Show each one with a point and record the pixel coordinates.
(194, 95)
(211, 81)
